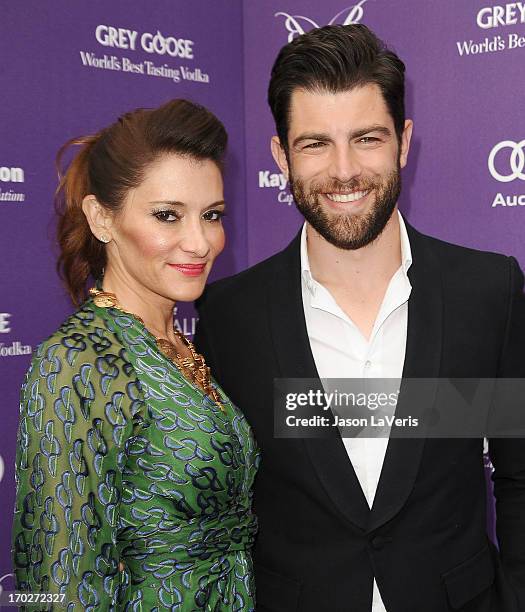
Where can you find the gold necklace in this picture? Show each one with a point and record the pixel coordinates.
(193, 368)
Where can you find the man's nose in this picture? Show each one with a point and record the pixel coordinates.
(344, 164)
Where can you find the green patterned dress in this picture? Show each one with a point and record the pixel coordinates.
(121, 459)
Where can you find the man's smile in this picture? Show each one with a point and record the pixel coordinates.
(346, 197)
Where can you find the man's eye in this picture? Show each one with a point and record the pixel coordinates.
(369, 140)
(166, 216)
(213, 215)
(314, 145)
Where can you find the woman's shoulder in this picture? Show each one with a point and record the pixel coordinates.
(84, 331)
(84, 359)
(84, 345)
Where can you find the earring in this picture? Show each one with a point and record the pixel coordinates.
(104, 238)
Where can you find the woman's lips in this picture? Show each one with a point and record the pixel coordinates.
(189, 269)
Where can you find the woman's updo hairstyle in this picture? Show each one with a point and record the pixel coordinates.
(112, 162)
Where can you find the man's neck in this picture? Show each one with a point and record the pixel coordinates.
(362, 268)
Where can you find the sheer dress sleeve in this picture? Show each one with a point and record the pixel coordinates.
(80, 406)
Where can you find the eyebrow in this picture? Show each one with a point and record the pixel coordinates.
(355, 134)
(182, 204)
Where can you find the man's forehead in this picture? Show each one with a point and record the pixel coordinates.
(321, 105)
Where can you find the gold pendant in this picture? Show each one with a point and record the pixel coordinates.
(103, 299)
(193, 368)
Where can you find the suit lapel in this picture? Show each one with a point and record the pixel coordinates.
(422, 360)
(295, 359)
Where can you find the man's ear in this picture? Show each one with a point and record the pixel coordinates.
(279, 156)
(98, 217)
(406, 136)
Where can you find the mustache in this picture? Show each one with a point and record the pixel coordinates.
(336, 186)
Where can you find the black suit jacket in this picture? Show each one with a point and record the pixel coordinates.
(424, 539)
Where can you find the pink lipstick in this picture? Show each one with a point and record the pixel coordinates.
(189, 269)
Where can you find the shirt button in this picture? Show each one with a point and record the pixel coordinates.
(378, 542)
(368, 363)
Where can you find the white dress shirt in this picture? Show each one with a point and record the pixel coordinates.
(341, 351)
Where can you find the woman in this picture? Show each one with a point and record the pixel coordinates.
(134, 471)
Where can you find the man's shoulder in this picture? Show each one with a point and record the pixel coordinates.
(457, 259)
(253, 281)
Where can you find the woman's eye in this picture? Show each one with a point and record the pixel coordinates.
(213, 215)
(166, 216)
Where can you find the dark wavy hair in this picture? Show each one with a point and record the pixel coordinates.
(112, 162)
(333, 59)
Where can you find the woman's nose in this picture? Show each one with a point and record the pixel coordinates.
(195, 241)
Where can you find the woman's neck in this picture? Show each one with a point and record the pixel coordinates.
(155, 310)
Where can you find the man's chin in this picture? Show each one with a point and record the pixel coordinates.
(349, 231)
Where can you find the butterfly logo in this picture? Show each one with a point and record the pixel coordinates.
(298, 24)
(2, 580)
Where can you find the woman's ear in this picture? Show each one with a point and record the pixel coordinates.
(98, 217)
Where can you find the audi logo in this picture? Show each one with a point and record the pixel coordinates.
(516, 161)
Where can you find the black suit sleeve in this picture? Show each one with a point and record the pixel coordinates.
(508, 455)
(202, 338)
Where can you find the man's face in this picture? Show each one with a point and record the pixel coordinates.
(343, 163)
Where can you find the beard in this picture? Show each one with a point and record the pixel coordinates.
(348, 231)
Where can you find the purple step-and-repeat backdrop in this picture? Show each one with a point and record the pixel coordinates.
(465, 73)
(70, 67)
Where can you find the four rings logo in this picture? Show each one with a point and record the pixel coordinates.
(516, 161)
(298, 24)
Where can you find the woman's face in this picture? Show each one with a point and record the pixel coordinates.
(169, 230)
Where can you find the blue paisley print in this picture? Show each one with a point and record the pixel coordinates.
(134, 489)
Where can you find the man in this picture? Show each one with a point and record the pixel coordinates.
(348, 524)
